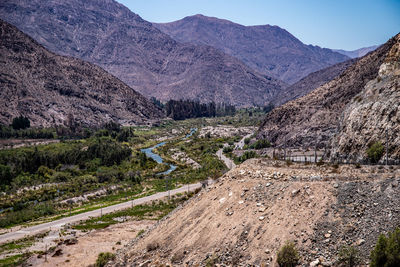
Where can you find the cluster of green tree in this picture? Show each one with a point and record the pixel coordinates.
(185, 109)
(33, 133)
(20, 122)
(157, 102)
(29, 159)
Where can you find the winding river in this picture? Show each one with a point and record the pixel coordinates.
(150, 154)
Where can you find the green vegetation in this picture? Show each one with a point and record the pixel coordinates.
(246, 155)
(33, 133)
(349, 256)
(375, 152)
(15, 260)
(259, 144)
(38, 182)
(20, 122)
(103, 258)
(387, 250)
(288, 256)
(154, 211)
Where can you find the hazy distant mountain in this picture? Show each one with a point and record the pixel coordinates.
(314, 118)
(357, 53)
(47, 88)
(268, 49)
(108, 34)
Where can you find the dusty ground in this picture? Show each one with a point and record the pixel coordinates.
(226, 131)
(254, 209)
(90, 244)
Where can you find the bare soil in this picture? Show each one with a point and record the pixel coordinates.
(249, 213)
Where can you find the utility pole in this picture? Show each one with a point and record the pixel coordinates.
(45, 253)
(284, 152)
(315, 154)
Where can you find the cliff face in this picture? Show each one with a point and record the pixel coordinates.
(375, 109)
(268, 49)
(109, 35)
(47, 88)
(314, 118)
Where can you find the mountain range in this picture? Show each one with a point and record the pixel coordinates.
(49, 88)
(358, 52)
(108, 34)
(268, 49)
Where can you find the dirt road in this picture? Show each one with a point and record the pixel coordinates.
(40, 228)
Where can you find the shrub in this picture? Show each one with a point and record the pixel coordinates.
(247, 155)
(375, 152)
(387, 250)
(247, 141)
(228, 149)
(263, 143)
(288, 256)
(103, 258)
(349, 256)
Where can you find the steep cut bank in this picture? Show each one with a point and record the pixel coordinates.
(108, 34)
(47, 88)
(313, 119)
(375, 110)
(268, 49)
(249, 213)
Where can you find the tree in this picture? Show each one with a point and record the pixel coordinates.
(20, 122)
(288, 256)
(378, 254)
(387, 250)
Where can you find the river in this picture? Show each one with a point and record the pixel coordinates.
(150, 154)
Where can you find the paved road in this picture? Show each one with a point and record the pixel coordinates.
(240, 144)
(40, 228)
(228, 162)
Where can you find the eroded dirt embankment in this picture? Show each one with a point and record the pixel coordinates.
(254, 209)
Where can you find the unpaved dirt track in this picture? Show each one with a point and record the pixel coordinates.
(33, 230)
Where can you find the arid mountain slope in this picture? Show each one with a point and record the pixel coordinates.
(250, 212)
(311, 82)
(108, 34)
(268, 49)
(47, 88)
(313, 119)
(358, 52)
(375, 109)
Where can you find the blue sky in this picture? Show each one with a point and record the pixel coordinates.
(345, 24)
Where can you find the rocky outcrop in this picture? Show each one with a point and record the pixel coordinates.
(108, 34)
(370, 113)
(49, 89)
(268, 49)
(313, 119)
